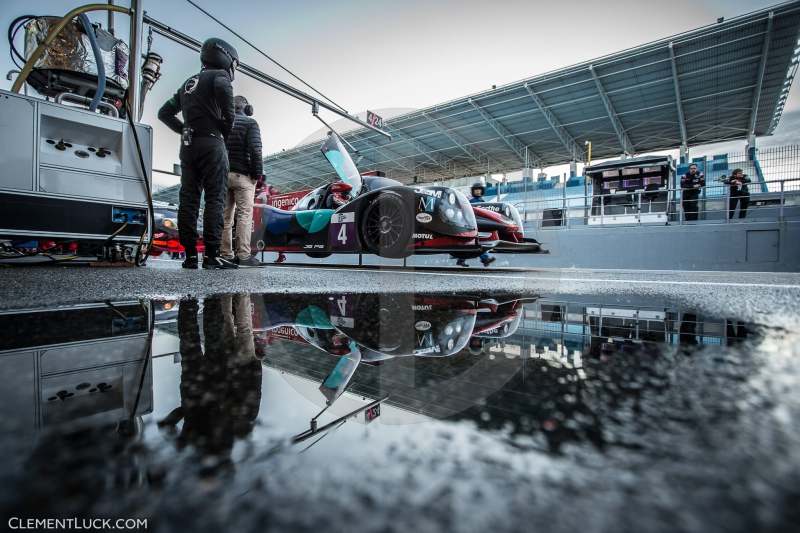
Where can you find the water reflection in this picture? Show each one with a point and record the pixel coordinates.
(538, 364)
(88, 386)
(220, 383)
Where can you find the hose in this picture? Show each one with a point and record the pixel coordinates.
(140, 261)
(26, 70)
(13, 28)
(98, 59)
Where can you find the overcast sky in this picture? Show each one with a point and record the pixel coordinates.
(375, 54)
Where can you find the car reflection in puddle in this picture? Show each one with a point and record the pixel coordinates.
(115, 406)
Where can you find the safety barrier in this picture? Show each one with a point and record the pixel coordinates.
(663, 206)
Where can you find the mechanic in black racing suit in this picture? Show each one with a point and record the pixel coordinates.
(477, 191)
(206, 101)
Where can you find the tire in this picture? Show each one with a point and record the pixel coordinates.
(387, 226)
(318, 255)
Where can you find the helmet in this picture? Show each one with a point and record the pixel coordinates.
(218, 54)
(478, 185)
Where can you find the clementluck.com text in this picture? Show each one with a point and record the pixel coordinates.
(77, 524)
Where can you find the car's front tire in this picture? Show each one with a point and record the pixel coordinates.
(387, 226)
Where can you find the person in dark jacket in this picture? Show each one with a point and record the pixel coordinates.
(247, 168)
(477, 191)
(739, 193)
(691, 184)
(206, 102)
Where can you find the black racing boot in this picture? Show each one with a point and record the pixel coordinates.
(213, 261)
(190, 262)
(462, 263)
(488, 261)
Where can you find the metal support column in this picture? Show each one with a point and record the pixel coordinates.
(135, 59)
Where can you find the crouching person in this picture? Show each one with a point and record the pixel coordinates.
(244, 153)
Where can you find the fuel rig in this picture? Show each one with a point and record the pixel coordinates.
(75, 162)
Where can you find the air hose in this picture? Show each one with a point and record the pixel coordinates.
(98, 59)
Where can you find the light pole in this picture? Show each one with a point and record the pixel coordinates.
(588, 145)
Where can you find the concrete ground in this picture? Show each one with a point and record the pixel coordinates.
(757, 297)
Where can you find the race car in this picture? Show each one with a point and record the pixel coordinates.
(384, 325)
(165, 233)
(377, 215)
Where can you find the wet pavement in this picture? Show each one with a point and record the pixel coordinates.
(586, 407)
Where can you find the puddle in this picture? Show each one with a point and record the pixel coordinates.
(397, 411)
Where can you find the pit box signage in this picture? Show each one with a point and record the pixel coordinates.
(286, 201)
(374, 120)
(372, 413)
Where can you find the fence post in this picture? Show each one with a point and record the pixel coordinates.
(602, 209)
(780, 215)
(727, 205)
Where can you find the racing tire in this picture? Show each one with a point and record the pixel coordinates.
(318, 255)
(387, 226)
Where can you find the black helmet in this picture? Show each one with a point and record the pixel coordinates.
(218, 54)
(478, 185)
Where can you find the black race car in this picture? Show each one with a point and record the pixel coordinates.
(377, 215)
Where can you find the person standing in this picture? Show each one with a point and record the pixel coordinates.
(477, 191)
(739, 193)
(206, 102)
(691, 183)
(246, 170)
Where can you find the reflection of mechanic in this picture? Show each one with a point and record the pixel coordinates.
(221, 388)
(244, 153)
(691, 183)
(739, 193)
(478, 190)
(206, 102)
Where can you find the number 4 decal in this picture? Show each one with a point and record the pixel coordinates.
(342, 237)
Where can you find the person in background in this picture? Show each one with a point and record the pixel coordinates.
(246, 170)
(206, 102)
(477, 191)
(739, 193)
(691, 183)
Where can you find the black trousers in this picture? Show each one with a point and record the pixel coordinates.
(689, 202)
(743, 199)
(204, 169)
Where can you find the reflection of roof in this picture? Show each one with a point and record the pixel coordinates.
(695, 88)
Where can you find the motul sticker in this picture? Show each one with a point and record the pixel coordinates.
(424, 218)
(423, 236)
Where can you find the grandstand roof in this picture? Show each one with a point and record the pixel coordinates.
(721, 82)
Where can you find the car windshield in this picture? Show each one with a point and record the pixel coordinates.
(342, 163)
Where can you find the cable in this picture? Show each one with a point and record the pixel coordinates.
(139, 261)
(254, 47)
(19, 22)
